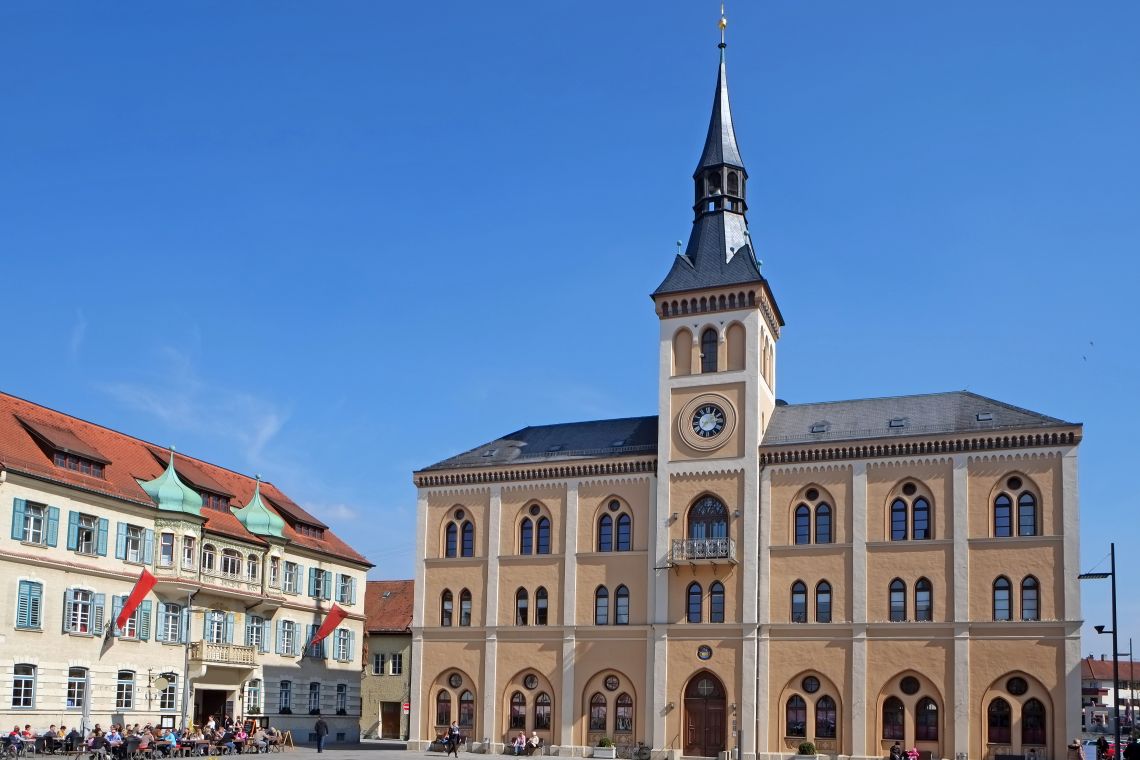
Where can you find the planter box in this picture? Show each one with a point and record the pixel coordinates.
(608, 753)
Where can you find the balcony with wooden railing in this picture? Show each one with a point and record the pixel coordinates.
(234, 655)
(704, 550)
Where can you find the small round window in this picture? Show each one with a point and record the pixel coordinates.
(455, 680)
(531, 681)
(614, 505)
(909, 685)
(612, 683)
(810, 684)
(534, 509)
(1016, 686)
(909, 489)
(1014, 482)
(459, 514)
(812, 494)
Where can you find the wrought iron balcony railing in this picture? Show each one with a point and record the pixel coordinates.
(704, 550)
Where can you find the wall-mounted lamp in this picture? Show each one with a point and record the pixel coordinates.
(670, 706)
(673, 518)
(736, 513)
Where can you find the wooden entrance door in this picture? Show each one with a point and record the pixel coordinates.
(390, 720)
(704, 716)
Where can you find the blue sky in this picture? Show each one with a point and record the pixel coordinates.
(331, 243)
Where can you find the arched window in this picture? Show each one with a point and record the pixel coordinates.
(733, 184)
(1002, 609)
(898, 600)
(926, 720)
(543, 543)
(1003, 516)
(452, 538)
(623, 714)
(823, 602)
(694, 603)
(1026, 515)
(465, 607)
(799, 602)
(803, 524)
(624, 533)
(923, 600)
(542, 710)
(601, 606)
(997, 722)
(207, 556)
(526, 537)
(443, 708)
(708, 519)
(522, 603)
(541, 605)
(795, 716)
(716, 602)
(445, 609)
(605, 534)
(708, 350)
(825, 718)
(518, 710)
(1033, 722)
(466, 709)
(621, 606)
(898, 520)
(823, 524)
(1030, 599)
(597, 712)
(252, 567)
(920, 519)
(893, 717)
(468, 539)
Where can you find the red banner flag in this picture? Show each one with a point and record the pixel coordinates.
(332, 620)
(142, 587)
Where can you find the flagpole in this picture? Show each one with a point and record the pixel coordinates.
(85, 718)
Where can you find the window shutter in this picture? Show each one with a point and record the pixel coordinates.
(148, 547)
(23, 605)
(298, 578)
(72, 530)
(184, 628)
(229, 627)
(101, 542)
(68, 608)
(144, 620)
(97, 613)
(121, 541)
(352, 590)
(265, 631)
(160, 622)
(313, 590)
(338, 579)
(35, 605)
(18, 507)
(116, 608)
(351, 646)
(205, 625)
(326, 585)
(52, 526)
(280, 638)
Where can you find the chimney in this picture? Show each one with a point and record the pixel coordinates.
(1102, 657)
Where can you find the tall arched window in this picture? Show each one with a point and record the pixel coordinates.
(522, 606)
(926, 720)
(920, 519)
(825, 718)
(716, 602)
(1030, 599)
(207, 556)
(898, 520)
(997, 722)
(542, 546)
(733, 184)
(708, 519)
(1002, 609)
(823, 524)
(601, 606)
(799, 602)
(526, 537)
(1026, 515)
(694, 603)
(1003, 516)
(468, 539)
(605, 534)
(623, 714)
(624, 533)
(597, 712)
(803, 525)
(466, 709)
(1033, 722)
(823, 602)
(465, 607)
(923, 600)
(795, 716)
(445, 609)
(452, 539)
(542, 710)
(443, 708)
(708, 350)
(893, 719)
(518, 710)
(621, 606)
(541, 605)
(898, 600)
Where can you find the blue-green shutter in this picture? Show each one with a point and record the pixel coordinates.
(265, 632)
(144, 620)
(326, 584)
(72, 530)
(24, 605)
(101, 543)
(205, 625)
(18, 508)
(121, 541)
(52, 526)
(68, 604)
(148, 547)
(97, 614)
(351, 645)
(313, 590)
(229, 627)
(160, 621)
(281, 637)
(352, 590)
(116, 608)
(36, 608)
(184, 627)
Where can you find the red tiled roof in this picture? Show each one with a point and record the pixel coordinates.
(1101, 670)
(388, 606)
(129, 460)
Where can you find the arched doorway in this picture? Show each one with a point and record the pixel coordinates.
(704, 716)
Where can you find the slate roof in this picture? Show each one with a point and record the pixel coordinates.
(720, 143)
(388, 606)
(130, 460)
(857, 419)
(719, 253)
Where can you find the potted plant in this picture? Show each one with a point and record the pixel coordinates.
(605, 748)
(286, 711)
(806, 749)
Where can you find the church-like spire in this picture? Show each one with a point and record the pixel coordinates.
(720, 143)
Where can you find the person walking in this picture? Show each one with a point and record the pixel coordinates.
(1101, 748)
(321, 729)
(1132, 751)
(453, 739)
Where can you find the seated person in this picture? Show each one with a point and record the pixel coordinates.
(257, 740)
(73, 739)
(533, 743)
(227, 741)
(519, 744)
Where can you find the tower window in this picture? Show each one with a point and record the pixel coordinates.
(733, 184)
(708, 350)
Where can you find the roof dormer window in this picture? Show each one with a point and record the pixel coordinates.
(79, 464)
(215, 501)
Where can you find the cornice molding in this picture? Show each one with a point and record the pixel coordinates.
(545, 472)
(895, 448)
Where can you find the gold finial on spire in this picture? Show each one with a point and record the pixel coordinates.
(722, 24)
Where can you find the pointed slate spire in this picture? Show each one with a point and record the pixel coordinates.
(170, 494)
(259, 519)
(720, 143)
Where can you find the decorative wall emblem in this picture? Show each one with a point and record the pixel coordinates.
(704, 652)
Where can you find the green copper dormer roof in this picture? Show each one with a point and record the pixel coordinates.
(170, 494)
(259, 519)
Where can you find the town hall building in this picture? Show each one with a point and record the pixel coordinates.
(738, 573)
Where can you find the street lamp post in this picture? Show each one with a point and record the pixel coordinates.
(1111, 574)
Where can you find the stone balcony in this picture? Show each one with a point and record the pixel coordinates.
(234, 655)
(703, 551)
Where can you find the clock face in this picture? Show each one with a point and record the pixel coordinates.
(708, 420)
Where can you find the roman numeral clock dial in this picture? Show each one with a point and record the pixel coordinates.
(708, 421)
